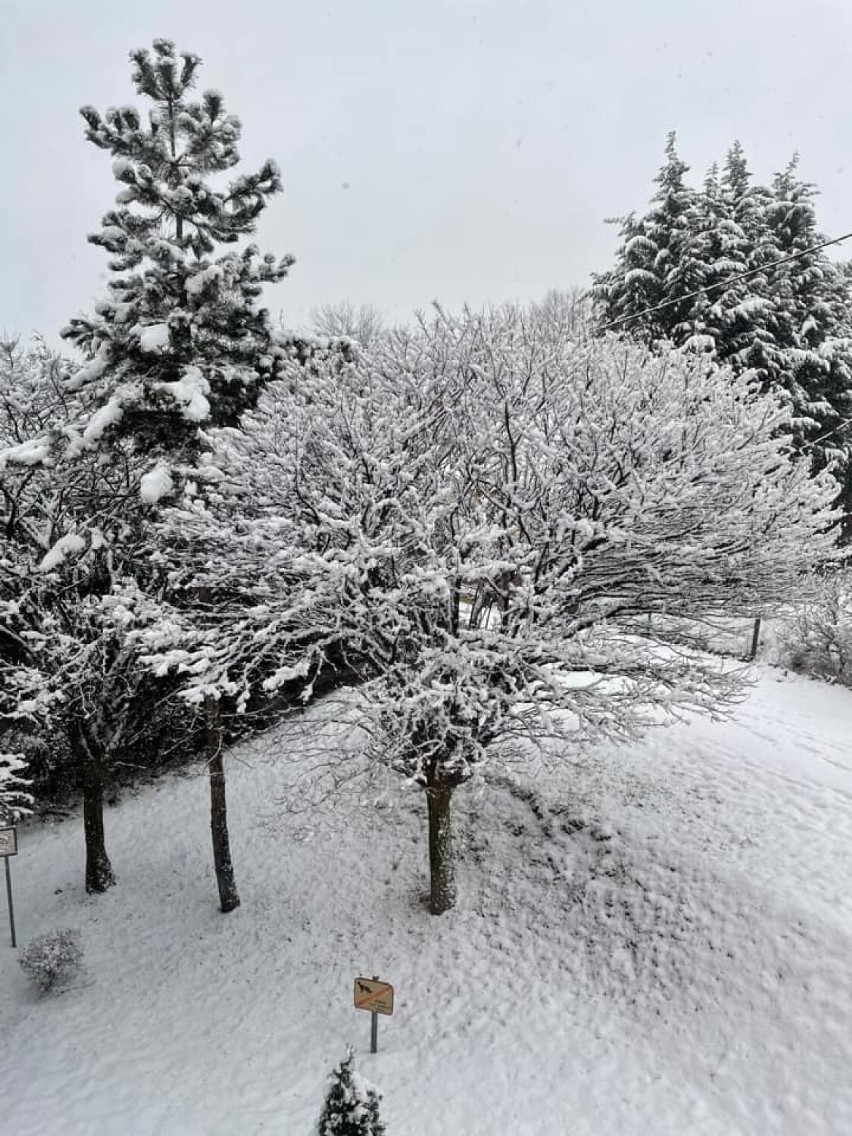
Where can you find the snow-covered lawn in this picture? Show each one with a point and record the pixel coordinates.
(653, 939)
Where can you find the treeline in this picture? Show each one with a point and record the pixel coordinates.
(732, 267)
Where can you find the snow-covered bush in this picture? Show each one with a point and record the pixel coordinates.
(352, 1104)
(816, 637)
(51, 960)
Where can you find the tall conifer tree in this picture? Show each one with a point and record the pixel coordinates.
(656, 259)
(180, 340)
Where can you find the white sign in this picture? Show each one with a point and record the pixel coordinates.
(8, 842)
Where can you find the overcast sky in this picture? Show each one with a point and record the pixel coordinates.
(443, 149)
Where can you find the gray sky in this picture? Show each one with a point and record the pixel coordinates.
(445, 149)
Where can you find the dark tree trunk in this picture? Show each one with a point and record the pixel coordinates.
(91, 775)
(99, 873)
(442, 868)
(228, 896)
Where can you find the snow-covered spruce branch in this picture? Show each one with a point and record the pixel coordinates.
(15, 799)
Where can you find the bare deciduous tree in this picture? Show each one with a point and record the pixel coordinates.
(477, 515)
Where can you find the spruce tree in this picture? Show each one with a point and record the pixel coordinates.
(672, 227)
(809, 320)
(352, 1105)
(657, 259)
(746, 339)
(180, 340)
(788, 323)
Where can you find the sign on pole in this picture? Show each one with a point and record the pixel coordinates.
(372, 995)
(377, 997)
(9, 847)
(8, 841)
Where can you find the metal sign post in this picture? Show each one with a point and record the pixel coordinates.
(377, 997)
(9, 847)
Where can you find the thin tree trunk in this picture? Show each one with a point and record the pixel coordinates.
(99, 873)
(755, 639)
(228, 896)
(91, 776)
(442, 869)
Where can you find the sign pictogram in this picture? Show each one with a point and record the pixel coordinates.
(377, 997)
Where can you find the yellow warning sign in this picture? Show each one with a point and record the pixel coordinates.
(377, 997)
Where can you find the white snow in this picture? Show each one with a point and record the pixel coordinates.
(32, 452)
(104, 417)
(195, 284)
(652, 939)
(154, 338)
(190, 391)
(89, 371)
(67, 545)
(156, 483)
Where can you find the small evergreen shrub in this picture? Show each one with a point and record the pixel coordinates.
(51, 960)
(352, 1105)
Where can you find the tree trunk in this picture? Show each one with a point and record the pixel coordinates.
(91, 768)
(442, 869)
(99, 873)
(228, 896)
(755, 640)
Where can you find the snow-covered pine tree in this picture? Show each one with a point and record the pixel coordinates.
(633, 285)
(352, 1104)
(725, 249)
(180, 340)
(788, 323)
(746, 339)
(672, 226)
(810, 322)
(658, 260)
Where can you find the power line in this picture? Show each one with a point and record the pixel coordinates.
(724, 283)
(821, 437)
(731, 279)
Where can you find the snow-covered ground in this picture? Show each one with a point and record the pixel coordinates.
(655, 939)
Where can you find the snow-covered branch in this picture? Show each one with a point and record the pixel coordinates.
(473, 515)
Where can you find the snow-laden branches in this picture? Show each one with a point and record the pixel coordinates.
(15, 801)
(76, 575)
(472, 516)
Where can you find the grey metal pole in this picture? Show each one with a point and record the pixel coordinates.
(374, 1027)
(9, 897)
